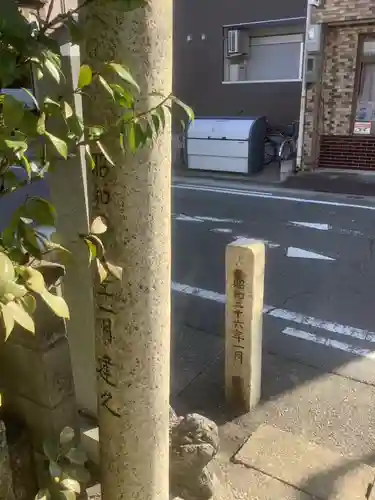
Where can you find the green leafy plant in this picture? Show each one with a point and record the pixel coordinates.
(65, 467)
(41, 137)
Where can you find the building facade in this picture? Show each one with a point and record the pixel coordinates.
(263, 79)
(340, 106)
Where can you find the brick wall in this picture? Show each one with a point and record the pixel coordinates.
(334, 11)
(334, 96)
(342, 151)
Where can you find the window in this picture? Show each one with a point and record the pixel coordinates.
(275, 58)
(365, 97)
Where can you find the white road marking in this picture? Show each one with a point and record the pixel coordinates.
(317, 339)
(216, 219)
(187, 218)
(291, 316)
(312, 225)
(325, 227)
(272, 196)
(245, 240)
(204, 218)
(301, 253)
(199, 292)
(221, 230)
(329, 326)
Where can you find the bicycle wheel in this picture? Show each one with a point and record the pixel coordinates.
(269, 151)
(286, 150)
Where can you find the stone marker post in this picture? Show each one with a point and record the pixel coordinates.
(133, 315)
(245, 261)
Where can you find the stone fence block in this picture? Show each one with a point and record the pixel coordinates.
(44, 377)
(42, 421)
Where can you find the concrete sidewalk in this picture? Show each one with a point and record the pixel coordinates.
(349, 182)
(312, 435)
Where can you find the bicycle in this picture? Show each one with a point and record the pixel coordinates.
(283, 149)
(288, 147)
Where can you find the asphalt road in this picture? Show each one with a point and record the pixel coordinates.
(320, 270)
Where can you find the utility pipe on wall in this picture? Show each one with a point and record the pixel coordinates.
(310, 4)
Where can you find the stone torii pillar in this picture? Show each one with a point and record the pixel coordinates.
(133, 315)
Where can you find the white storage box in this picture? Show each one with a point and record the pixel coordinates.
(226, 144)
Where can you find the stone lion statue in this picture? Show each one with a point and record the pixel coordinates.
(194, 442)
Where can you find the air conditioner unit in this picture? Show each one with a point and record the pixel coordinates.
(236, 42)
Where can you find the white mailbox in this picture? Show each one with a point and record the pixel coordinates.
(226, 144)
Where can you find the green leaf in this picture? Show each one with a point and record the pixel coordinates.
(16, 290)
(39, 73)
(51, 450)
(75, 124)
(48, 102)
(53, 70)
(106, 86)
(140, 135)
(27, 166)
(78, 472)
(8, 320)
(98, 244)
(29, 303)
(33, 279)
(71, 485)
(29, 239)
(95, 132)
(92, 249)
(89, 157)
(149, 131)
(10, 180)
(41, 124)
(7, 272)
(102, 271)
(98, 225)
(115, 271)
(68, 111)
(40, 211)
(28, 124)
(105, 153)
(156, 121)
(56, 303)
(76, 456)
(122, 96)
(131, 137)
(55, 470)
(7, 237)
(52, 246)
(161, 113)
(67, 435)
(17, 255)
(16, 146)
(31, 95)
(13, 111)
(85, 76)
(124, 74)
(185, 107)
(60, 145)
(20, 316)
(43, 494)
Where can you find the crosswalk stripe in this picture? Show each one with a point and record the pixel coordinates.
(336, 344)
(284, 314)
